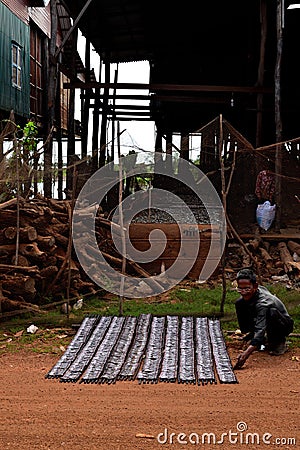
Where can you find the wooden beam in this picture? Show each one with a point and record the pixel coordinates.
(130, 113)
(167, 98)
(133, 118)
(73, 27)
(193, 99)
(133, 107)
(124, 97)
(168, 87)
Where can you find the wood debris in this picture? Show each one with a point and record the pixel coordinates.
(274, 258)
(32, 256)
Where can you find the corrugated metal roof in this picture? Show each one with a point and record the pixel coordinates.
(41, 17)
(19, 8)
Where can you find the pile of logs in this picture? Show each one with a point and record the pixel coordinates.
(37, 263)
(272, 258)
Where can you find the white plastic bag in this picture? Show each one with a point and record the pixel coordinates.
(265, 214)
(32, 329)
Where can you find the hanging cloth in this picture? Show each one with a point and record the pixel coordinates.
(265, 186)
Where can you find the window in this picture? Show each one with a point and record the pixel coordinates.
(36, 72)
(16, 66)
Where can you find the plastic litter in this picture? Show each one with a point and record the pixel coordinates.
(32, 329)
(265, 214)
(78, 304)
(296, 257)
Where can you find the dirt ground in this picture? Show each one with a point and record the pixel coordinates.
(40, 413)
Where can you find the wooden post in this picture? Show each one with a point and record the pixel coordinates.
(9, 128)
(95, 136)
(104, 117)
(224, 201)
(112, 155)
(278, 121)
(71, 130)
(1, 152)
(169, 152)
(158, 161)
(86, 105)
(184, 149)
(17, 151)
(184, 146)
(261, 71)
(59, 141)
(123, 237)
(52, 77)
(70, 243)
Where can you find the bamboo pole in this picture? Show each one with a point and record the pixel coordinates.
(123, 236)
(224, 202)
(261, 71)
(17, 151)
(105, 106)
(69, 249)
(278, 121)
(96, 122)
(112, 155)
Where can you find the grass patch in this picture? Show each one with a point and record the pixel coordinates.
(182, 300)
(187, 299)
(45, 340)
(195, 300)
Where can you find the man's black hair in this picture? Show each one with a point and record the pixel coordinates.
(246, 274)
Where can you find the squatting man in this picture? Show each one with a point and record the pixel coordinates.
(261, 316)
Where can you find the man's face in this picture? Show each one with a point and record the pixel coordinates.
(246, 288)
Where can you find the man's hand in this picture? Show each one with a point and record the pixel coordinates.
(242, 358)
(240, 361)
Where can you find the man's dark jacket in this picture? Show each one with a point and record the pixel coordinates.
(253, 314)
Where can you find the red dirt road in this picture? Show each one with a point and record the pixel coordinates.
(37, 413)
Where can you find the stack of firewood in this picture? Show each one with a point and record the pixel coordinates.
(37, 262)
(272, 258)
